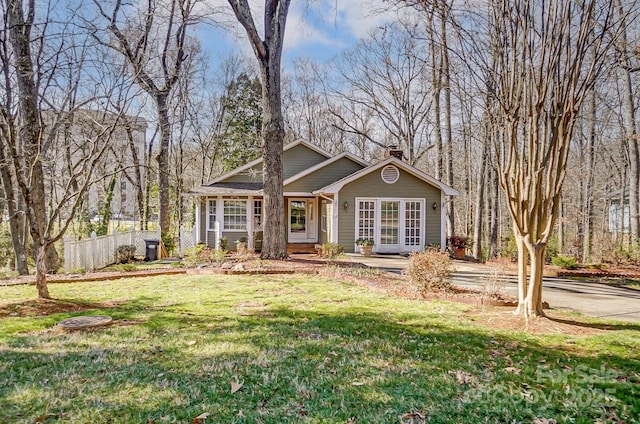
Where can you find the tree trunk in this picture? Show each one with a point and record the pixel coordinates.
(631, 134)
(16, 217)
(163, 163)
(480, 217)
(274, 242)
(30, 132)
(41, 272)
(588, 217)
(446, 81)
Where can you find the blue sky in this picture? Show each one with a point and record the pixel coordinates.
(318, 29)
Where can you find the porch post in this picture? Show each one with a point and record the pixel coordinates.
(249, 210)
(198, 208)
(334, 220)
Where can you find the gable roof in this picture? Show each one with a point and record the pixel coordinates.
(260, 160)
(321, 165)
(337, 186)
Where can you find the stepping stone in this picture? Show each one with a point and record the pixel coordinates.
(77, 323)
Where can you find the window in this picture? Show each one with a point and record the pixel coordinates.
(323, 217)
(257, 214)
(123, 185)
(212, 214)
(366, 219)
(412, 223)
(235, 215)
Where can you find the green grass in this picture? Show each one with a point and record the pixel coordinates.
(306, 350)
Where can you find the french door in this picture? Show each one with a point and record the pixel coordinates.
(395, 225)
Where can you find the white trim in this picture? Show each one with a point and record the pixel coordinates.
(393, 169)
(334, 221)
(311, 220)
(321, 165)
(337, 186)
(231, 230)
(249, 224)
(198, 223)
(260, 160)
(443, 224)
(401, 246)
(298, 194)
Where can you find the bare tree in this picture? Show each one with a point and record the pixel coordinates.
(548, 59)
(8, 132)
(387, 76)
(46, 102)
(153, 41)
(268, 52)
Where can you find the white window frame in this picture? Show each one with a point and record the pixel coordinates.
(237, 228)
(401, 218)
(211, 223)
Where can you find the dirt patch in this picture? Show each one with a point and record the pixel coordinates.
(44, 307)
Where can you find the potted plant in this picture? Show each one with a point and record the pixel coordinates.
(365, 245)
(459, 246)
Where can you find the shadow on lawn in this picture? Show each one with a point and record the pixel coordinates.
(296, 365)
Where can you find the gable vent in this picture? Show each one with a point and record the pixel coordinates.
(390, 174)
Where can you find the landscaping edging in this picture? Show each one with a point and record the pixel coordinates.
(98, 276)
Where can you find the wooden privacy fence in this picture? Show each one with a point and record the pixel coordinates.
(99, 251)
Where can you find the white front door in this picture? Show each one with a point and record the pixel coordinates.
(302, 221)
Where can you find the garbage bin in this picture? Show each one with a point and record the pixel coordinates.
(151, 249)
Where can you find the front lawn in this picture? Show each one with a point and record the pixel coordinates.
(271, 349)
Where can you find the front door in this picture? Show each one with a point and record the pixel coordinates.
(302, 221)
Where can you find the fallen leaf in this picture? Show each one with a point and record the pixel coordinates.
(357, 383)
(190, 342)
(463, 377)
(200, 418)
(235, 386)
(513, 370)
(544, 421)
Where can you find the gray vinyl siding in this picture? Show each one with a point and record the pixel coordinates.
(323, 177)
(300, 158)
(294, 161)
(372, 186)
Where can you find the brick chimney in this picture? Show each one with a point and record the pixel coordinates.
(395, 152)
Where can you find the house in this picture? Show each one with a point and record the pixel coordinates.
(336, 199)
(80, 130)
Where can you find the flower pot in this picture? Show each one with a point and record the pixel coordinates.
(366, 250)
(459, 252)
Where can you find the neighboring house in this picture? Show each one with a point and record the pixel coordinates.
(336, 199)
(75, 138)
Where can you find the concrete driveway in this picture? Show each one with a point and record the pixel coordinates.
(592, 299)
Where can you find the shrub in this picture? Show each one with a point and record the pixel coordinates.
(331, 250)
(430, 271)
(202, 254)
(125, 254)
(565, 262)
